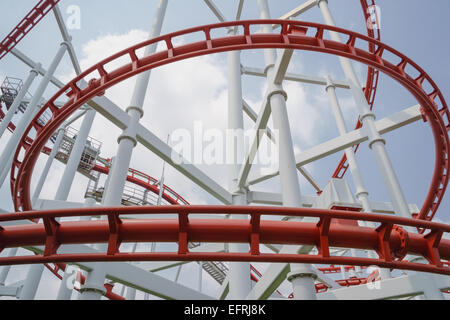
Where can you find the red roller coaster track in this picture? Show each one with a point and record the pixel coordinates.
(432, 101)
(434, 108)
(389, 240)
(20, 31)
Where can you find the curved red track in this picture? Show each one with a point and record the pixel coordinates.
(440, 179)
(25, 25)
(386, 240)
(433, 104)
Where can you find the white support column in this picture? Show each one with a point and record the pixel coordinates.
(5, 270)
(127, 141)
(361, 192)
(131, 292)
(64, 292)
(302, 278)
(31, 283)
(75, 156)
(291, 195)
(18, 100)
(200, 275)
(93, 288)
(376, 143)
(239, 274)
(32, 108)
(48, 164)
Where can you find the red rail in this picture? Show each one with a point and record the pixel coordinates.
(423, 88)
(20, 31)
(389, 240)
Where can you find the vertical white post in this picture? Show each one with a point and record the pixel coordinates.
(32, 108)
(200, 275)
(127, 142)
(94, 288)
(290, 186)
(5, 270)
(361, 192)
(18, 99)
(32, 282)
(48, 164)
(131, 292)
(376, 143)
(65, 292)
(302, 278)
(35, 273)
(75, 156)
(239, 274)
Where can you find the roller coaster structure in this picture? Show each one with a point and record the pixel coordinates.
(321, 244)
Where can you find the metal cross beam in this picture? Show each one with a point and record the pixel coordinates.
(350, 139)
(263, 117)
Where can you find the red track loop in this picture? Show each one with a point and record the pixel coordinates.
(323, 234)
(422, 87)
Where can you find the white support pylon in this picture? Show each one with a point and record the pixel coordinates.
(361, 192)
(290, 187)
(376, 142)
(48, 164)
(32, 108)
(239, 273)
(75, 156)
(34, 275)
(18, 99)
(5, 270)
(127, 142)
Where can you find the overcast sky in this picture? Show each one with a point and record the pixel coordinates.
(196, 90)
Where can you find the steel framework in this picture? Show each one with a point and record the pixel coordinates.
(308, 240)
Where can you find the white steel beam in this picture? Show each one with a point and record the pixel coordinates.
(9, 291)
(258, 72)
(215, 10)
(254, 116)
(259, 197)
(132, 276)
(67, 38)
(275, 275)
(300, 9)
(264, 114)
(350, 139)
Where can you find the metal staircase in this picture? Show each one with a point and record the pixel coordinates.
(90, 153)
(10, 88)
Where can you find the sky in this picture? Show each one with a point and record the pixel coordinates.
(187, 92)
